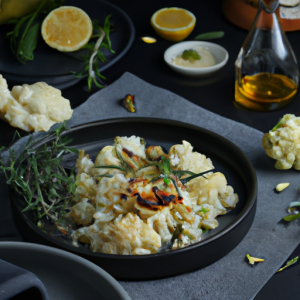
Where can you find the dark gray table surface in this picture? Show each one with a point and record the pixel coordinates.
(214, 93)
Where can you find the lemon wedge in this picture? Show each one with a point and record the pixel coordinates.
(67, 28)
(173, 24)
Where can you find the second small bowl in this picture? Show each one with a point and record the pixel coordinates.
(220, 54)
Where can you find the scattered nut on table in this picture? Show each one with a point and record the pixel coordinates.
(281, 186)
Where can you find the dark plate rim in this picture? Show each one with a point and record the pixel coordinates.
(250, 201)
(101, 68)
(68, 256)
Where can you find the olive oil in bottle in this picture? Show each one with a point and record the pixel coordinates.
(267, 75)
(265, 91)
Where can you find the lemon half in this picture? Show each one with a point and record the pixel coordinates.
(173, 23)
(67, 28)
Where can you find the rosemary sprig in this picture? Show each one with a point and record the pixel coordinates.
(39, 177)
(91, 60)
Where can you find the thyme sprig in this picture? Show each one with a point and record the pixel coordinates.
(39, 177)
(92, 59)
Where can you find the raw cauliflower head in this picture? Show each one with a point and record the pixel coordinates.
(33, 107)
(283, 143)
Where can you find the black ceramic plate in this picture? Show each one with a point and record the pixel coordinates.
(55, 67)
(227, 158)
(66, 276)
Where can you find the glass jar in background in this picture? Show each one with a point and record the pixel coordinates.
(267, 75)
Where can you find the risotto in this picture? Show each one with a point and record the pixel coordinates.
(135, 200)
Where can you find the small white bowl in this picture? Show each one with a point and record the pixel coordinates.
(219, 53)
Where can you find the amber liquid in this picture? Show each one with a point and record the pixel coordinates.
(264, 91)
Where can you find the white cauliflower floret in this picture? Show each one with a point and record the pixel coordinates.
(84, 164)
(283, 143)
(6, 99)
(208, 214)
(83, 212)
(186, 159)
(33, 107)
(86, 186)
(133, 143)
(43, 99)
(159, 222)
(110, 192)
(124, 235)
(107, 156)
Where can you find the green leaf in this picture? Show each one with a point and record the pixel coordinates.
(180, 173)
(110, 167)
(278, 125)
(166, 181)
(105, 175)
(165, 166)
(289, 263)
(29, 44)
(187, 179)
(290, 218)
(210, 35)
(24, 37)
(190, 55)
(251, 261)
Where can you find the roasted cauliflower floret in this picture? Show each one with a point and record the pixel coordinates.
(83, 212)
(283, 143)
(124, 235)
(84, 164)
(33, 107)
(107, 156)
(182, 157)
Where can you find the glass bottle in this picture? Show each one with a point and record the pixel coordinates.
(267, 75)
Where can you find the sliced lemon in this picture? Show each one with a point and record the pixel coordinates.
(67, 28)
(173, 24)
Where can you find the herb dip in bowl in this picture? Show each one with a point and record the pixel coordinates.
(196, 58)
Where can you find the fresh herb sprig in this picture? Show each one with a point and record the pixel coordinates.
(288, 264)
(164, 167)
(24, 36)
(92, 59)
(39, 177)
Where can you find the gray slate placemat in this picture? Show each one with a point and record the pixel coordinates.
(231, 277)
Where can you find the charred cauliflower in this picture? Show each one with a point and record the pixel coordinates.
(283, 143)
